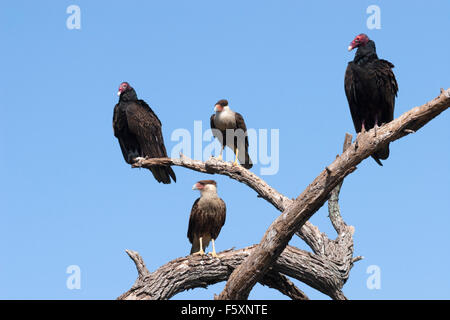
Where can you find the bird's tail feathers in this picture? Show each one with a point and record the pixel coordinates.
(163, 174)
(171, 173)
(195, 246)
(244, 160)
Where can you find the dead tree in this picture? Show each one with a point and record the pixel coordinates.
(272, 261)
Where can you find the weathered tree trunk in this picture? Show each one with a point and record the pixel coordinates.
(271, 261)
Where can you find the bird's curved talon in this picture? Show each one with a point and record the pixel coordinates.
(199, 253)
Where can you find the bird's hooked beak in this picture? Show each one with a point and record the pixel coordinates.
(119, 92)
(218, 108)
(352, 45)
(194, 187)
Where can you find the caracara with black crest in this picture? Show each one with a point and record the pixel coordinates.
(207, 217)
(229, 128)
(371, 88)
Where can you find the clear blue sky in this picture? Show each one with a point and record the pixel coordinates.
(68, 197)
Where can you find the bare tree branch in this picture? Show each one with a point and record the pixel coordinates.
(281, 283)
(139, 262)
(200, 271)
(214, 166)
(312, 198)
(334, 267)
(336, 256)
(308, 232)
(317, 240)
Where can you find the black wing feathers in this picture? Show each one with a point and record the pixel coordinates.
(139, 132)
(244, 158)
(128, 144)
(371, 90)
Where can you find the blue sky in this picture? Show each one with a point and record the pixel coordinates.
(68, 198)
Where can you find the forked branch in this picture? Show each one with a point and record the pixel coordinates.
(313, 197)
(267, 261)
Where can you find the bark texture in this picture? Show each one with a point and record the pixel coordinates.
(200, 271)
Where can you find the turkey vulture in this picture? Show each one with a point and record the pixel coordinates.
(207, 217)
(138, 130)
(226, 120)
(371, 88)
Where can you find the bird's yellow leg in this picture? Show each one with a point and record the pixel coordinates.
(213, 253)
(235, 163)
(200, 252)
(220, 155)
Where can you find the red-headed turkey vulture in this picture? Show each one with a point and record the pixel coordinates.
(371, 88)
(138, 130)
(207, 217)
(226, 121)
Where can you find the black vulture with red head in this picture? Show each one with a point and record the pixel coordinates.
(138, 130)
(371, 88)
